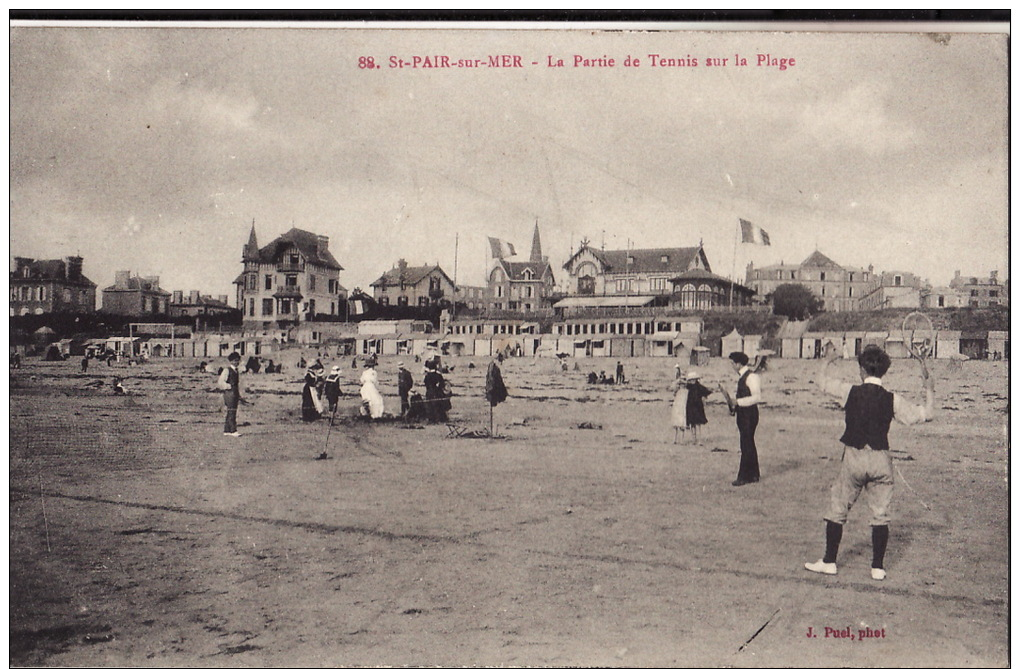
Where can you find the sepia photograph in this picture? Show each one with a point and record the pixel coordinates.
(532, 344)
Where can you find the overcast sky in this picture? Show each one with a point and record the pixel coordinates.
(154, 149)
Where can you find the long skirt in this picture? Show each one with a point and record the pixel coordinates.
(679, 415)
(373, 398)
(311, 405)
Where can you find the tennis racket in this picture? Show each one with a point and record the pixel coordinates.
(919, 335)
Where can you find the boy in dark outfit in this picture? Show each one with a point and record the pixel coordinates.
(867, 463)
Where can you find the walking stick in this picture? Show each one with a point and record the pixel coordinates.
(325, 449)
(492, 432)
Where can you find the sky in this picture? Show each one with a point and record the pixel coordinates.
(154, 149)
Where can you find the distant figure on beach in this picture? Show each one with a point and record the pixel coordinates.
(230, 383)
(696, 394)
(438, 404)
(619, 372)
(311, 405)
(404, 384)
(84, 364)
(331, 388)
(253, 365)
(678, 416)
(371, 398)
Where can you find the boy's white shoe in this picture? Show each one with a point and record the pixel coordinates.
(821, 567)
(878, 574)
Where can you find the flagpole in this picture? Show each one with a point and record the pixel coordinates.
(733, 271)
(456, 249)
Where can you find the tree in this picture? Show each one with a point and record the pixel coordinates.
(795, 301)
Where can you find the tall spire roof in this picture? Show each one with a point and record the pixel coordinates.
(536, 246)
(251, 249)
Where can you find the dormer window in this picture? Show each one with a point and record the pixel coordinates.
(665, 259)
(528, 274)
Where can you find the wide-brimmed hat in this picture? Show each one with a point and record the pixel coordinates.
(336, 368)
(400, 364)
(693, 375)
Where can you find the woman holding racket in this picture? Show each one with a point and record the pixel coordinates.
(867, 463)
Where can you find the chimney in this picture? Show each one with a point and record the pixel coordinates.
(120, 278)
(323, 244)
(153, 282)
(193, 297)
(995, 276)
(956, 275)
(23, 266)
(74, 268)
(402, 266)
(223, 299)
(178, 297)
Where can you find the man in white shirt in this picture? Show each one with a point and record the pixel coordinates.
(745, 406)
(866, 463)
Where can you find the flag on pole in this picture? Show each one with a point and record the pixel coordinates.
(753, 234)
(501, 248)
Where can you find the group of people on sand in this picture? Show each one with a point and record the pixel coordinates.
(433, 407)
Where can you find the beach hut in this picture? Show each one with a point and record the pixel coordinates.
(700, 355)
(660, 344)
(731, 343)
(974, 344)
(752, 343)
(896, 345)
(998, 344)
(811, 346)
(789, 347)
(947, 344)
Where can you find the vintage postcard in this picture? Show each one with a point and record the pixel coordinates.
(638, 344)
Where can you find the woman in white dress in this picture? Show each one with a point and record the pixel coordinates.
(679, 414)
(371, 398)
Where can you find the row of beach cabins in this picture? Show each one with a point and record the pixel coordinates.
(678, 337)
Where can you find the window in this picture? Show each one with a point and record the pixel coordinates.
(402, 301)
(993, 293)
(664, 259)
(897, 280)
(512, 305)
(528, 291)
(822, 274)
(623, 285)
(658, 284)
(499, 291)
(384, 301)
(973, 293)
(851, 291)
(942, 300)
(423, 301)
(42, 293)
(311, 282)
(285, 307)
(291, 280)
(851, 277)
(268, 284)
(311, 306)
(267, 307)
(251, 306)
(295, 258)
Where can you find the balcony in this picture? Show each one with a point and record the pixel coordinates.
(289, 267)
(288, 292)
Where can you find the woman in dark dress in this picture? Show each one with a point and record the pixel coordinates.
(435, 396)
(696, 394)
(311, 406)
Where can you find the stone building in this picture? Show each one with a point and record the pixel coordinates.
(840, 288)
(892, 290)
(981, 292)
(50, 286)
(520, 286)
(135, 296)
(420, 286)
(293, 278)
